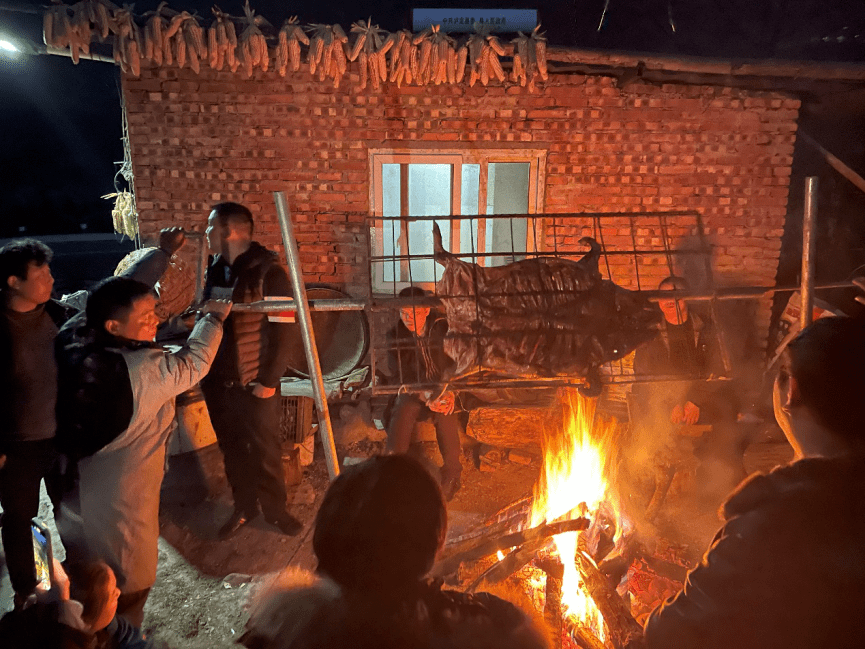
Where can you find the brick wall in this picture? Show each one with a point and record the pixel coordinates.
(722, 152)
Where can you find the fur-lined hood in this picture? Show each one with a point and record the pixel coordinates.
(303, 611)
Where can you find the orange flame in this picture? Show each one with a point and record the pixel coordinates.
(575, 481)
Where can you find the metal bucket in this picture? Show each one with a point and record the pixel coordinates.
(342, 338)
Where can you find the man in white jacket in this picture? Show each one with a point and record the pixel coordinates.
(120, 482)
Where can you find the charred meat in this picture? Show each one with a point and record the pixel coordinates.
(539, 317)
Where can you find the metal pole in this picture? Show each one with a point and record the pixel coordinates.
(307, 333)
(809, 249)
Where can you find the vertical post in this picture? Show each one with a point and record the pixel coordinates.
(308, 335)
(809, 249)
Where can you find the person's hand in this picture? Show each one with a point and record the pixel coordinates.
(262, 391)
(444, 404)
(60, 580)
(2, 461)
(678, 415)
(690, 414)
(860, 284)
(171, 239)
(218, 308)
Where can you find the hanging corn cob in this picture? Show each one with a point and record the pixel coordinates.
(476, 54)
(369, 50)
(521, 64)
(539, 47)
(252, 44)
(421, 64)
(56, 25)
(154, 36)
(128, 41)
(193, 36)
(400, 57)
(443, 59)
(222, 42)
(288, 51)
(327, 55)
(530, 61)
(78, 30)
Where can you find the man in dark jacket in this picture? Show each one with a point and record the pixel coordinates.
(685, 352)
(416, 346)
(28, 394)
(241, 389)
(787, 568)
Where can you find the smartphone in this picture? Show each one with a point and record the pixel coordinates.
(43, 554)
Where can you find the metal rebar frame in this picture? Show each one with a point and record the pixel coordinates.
(548, 235)
(546, 232)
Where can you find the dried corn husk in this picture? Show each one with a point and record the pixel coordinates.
(124, 216)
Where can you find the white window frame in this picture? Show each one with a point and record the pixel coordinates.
(536, 158)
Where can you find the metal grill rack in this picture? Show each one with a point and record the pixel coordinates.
(637, 251)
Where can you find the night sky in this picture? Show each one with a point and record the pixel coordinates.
(61, 124)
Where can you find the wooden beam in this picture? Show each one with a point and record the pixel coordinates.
(834, 162)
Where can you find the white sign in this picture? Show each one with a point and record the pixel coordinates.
(463, 20)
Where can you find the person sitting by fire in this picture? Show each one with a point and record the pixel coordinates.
(417, 356)
(377, 534)
(687, 346)
(787, 568)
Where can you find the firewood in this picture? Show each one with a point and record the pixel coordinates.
(486, 546)
(503, 569)
(623, 628)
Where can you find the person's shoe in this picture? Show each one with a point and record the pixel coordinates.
(237, 520)
(286, 523)
(450, 487)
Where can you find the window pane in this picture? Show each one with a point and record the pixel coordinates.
(507, 193)
(390, 207)
(469, 197)
(429, 194)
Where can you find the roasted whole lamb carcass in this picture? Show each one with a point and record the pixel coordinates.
(543, 316)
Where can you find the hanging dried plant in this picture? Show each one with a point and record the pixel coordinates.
(370, 49)
(288, 50)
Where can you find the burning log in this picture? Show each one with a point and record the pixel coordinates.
(582, 636)
(509, 565)
(484, 546)
(553, 598)
(623, 628)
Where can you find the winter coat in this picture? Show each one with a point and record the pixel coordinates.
(785, 571)
(717, 401)
(253, 349)
(312, 613)
(58, 313)
(119, 484)
(92, 371)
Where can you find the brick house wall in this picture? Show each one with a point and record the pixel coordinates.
(722, 152)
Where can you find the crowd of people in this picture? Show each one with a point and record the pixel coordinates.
(93, 391)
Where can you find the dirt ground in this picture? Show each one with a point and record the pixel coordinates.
(204, 585)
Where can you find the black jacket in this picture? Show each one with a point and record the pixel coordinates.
(252, 348)
(785, 571)
(95, 402)
(59, 314)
